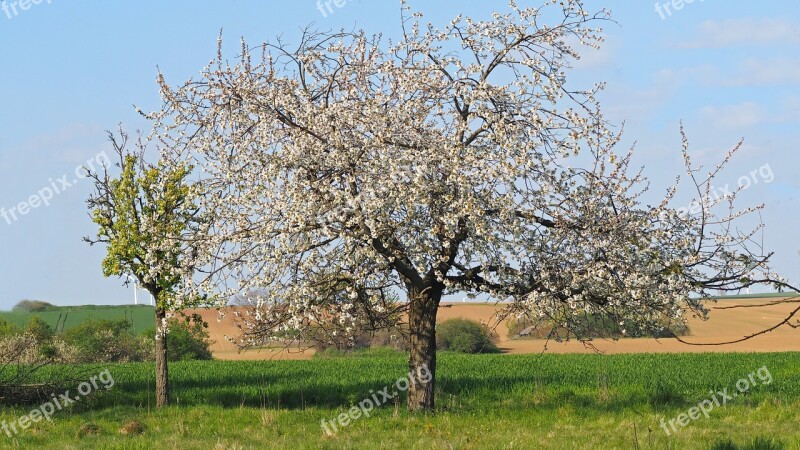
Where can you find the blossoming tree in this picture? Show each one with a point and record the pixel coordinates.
(454, 160)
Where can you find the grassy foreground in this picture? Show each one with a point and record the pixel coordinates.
(484, 401)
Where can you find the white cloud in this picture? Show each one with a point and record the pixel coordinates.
(641, 103)
(754, 71)
(742, 115)
(749, 72)
(632, 104)
(746, 31)
(704, 73)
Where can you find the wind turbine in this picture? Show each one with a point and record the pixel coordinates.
(136, 291)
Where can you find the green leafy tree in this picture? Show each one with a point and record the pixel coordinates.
(144, 215)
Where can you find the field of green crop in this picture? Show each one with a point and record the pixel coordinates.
(484, 401)
(142, 316)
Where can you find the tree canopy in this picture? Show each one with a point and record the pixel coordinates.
(454, 160)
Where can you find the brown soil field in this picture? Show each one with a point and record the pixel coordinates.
(722, 325)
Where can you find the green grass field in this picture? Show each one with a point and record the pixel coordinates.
(484, 401)
(141, 316)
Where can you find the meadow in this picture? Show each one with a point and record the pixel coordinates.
(141, 317)
(483, 401)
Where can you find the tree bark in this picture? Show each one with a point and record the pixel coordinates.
(162, 376)
(423, 306)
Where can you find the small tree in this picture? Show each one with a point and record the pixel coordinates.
(143, 215)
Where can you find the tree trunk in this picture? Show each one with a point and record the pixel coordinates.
(422, 363)
(162, 378)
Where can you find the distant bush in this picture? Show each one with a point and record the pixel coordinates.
(43, 334)
(22, 355)
(39, 328)
(187, 340)
(106, 341)
(36, 344)
(32, 306)
(466, 336)
(29, 349)
(7, 328)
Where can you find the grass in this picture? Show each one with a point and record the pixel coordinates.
(483, 401)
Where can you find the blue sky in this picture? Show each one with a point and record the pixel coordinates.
(71, 70)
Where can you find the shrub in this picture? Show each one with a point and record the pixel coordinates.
(466, 336)
(28, 349)
(39, 328)
(43, 335)
(8, 329)
(22, 355)
(187, 340)
(106, 341)
(32, 306)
